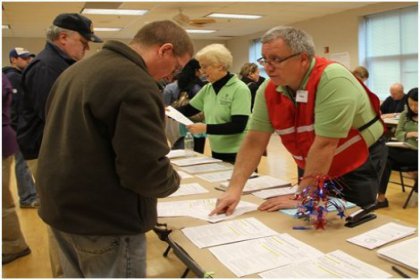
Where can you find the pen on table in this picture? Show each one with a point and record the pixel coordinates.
(301, 228)
(402, 274)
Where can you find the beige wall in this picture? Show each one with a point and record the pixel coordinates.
(35, 45)
(339, 32)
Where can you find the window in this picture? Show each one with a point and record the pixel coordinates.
(255, 53)
(388, 47)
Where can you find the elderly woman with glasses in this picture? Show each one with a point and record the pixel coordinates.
(225, 101)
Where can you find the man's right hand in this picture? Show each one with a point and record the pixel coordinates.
(226, 203)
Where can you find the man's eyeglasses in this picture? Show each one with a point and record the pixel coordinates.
(275, 61)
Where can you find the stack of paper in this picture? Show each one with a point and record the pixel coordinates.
(210, 167)
(200, 209)
(257, 255)
(404, 253)
(382, 235)
(176, 154)
(194, 161)
(258, 183)
(184, 175)
(227, 232)
(216, 176)
(335, 264)
(264, 194)
(189, 189)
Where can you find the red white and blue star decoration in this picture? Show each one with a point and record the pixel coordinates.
(315, 200)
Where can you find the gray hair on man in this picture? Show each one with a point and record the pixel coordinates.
(297, 40)
(53, 32)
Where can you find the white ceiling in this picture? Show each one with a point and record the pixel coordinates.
(30, 19)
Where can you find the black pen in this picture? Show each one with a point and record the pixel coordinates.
(402, 274)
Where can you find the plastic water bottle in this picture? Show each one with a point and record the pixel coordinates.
(189, 145)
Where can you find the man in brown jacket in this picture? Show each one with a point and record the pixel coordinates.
(102, 162)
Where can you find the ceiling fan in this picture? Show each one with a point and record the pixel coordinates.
(185, 20)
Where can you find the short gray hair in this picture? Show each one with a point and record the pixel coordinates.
(54, 31)
(216, 54)
(297, 40)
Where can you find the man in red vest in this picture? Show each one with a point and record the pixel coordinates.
(325, 117)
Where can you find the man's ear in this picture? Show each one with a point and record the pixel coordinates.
(165, 48)
(62, 38)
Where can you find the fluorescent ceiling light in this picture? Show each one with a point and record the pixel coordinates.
(114, 12)
(237, 16)
(5, 26)
(106, 29)
(200, 31)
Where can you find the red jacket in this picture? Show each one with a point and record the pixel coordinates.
(295, 125)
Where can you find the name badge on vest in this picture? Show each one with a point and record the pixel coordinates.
(302, 96)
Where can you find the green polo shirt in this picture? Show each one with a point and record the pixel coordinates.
(234, 98)
(340, 104)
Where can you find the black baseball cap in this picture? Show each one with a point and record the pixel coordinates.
(79, 23)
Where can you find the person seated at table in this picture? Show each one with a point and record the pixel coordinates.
(407, 132)
(394, 103)
(361, 73)
(225, 102)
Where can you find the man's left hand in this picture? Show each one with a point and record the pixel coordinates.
(279, 202)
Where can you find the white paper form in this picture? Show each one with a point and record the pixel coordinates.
(218, 176)
(336, 264)
(203, 168)
(227, 232)
(257, 255)
(264, 194)
(188, 189)
(184, 175)
(176, 154)
(176, 115)
(200, 209)
(194, 161)
(382, 235)
(404, 253)
(259, 183)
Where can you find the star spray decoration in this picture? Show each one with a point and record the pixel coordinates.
(316, 199)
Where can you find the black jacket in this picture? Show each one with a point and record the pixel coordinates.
(15, 77)
(37, 80)
(393, 106)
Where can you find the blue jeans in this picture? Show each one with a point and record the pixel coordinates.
(103, 256)
(24, 180)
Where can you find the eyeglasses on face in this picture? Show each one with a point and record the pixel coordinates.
(275, 61)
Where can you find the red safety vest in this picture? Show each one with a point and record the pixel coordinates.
(295, 125)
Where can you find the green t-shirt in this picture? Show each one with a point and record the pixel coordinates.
(234, 98)
(340, 104)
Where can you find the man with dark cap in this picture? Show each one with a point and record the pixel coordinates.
(67, 41)
(102, 163)
(19, 60)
